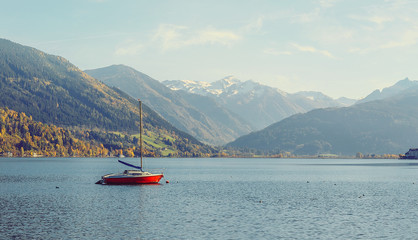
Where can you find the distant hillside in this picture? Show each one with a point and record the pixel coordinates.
(260, 105)
(311, 100)
(346, 102)
(53, 91)
(198, 115)
(382, 126)
(400, 86)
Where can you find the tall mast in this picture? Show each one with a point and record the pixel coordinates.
(140, 128)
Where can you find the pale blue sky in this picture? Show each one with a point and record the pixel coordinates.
(341, 48)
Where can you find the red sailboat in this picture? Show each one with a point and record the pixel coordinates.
(137, 176)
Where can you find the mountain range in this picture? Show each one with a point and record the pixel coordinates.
(215, 113)
(400, 86)
(52, 90)
(259, 104)
(198, 115)
(386, 125)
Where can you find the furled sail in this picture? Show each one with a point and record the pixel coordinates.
(130, 165)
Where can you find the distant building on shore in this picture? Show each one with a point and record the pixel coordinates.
(6, 154)
(411, 154)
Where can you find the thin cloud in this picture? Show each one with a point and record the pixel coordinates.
(327, 3)
(275, 52)
(129, 50)
(312, 50)
(254, 26)
(214, 36)
(315, 13)
(373, 19)
(174, 36)
(169, 36)
(408, 38)
(308, 17)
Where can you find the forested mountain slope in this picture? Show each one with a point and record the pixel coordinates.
(20, 135)
(382, 126)
(52, 90)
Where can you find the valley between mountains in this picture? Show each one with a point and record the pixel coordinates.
(229, 117)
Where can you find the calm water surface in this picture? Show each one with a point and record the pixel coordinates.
(56, 198)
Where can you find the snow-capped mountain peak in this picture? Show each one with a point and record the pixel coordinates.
(227, 82)
(191, 86)
(260, 104)
(225, 85)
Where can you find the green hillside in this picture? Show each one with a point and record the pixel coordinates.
(53, 91)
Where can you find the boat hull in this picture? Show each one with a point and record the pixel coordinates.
(126, 180)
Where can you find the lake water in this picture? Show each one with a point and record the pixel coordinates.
(56, 198)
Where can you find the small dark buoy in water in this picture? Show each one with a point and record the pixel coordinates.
(57, 187)
(166, 181)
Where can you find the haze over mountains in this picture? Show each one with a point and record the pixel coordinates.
(400, 86)
(387, 125)
(259, 104)
(198, 115)
(217, 112)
